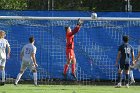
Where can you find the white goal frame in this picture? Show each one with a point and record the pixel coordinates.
(72, 18)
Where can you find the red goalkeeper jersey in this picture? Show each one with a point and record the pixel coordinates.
(70, 38)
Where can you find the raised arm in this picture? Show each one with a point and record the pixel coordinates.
(77, 28)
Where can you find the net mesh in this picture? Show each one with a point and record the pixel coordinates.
(95, 46)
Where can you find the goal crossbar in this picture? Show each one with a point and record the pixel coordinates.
(71, 18)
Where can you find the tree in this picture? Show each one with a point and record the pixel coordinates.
(13, 4)
(37, 4)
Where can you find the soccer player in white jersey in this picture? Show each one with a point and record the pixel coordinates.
(28, 60)
(3, 45)
(135, 66)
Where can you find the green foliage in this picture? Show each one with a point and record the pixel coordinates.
(88, 5)
(13, 4)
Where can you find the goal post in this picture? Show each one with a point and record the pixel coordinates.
(71, 18)
(95, 45)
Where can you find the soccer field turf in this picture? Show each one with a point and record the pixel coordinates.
(9, 88)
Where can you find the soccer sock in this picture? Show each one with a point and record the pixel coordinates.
(35, 78)
(119, 78)
(73, 68)
(131, 75)
(18, 78)
(3, 75)
(66, 68)
(127, 78)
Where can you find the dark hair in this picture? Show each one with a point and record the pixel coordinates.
(66, 28)
(125, 39)
(31, 39)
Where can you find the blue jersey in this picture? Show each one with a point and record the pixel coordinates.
(126, 51)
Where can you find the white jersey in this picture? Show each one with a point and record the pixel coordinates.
(3, 44)
(27, 51)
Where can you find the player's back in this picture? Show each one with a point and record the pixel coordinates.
(27, 50)
(3, 43)
(69, 41)
(126, 50)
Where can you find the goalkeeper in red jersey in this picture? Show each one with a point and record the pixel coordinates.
(70, 55)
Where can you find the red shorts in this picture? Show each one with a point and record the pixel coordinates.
(70, 53)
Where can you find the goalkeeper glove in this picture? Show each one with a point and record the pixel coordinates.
(79, 22)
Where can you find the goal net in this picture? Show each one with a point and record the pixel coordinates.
(96, 44)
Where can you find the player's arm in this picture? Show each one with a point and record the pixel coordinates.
(118, 57)
(34, 59)
(133, 57)
(22, 53)
(8, 52)
(74, 31)
(8, 49)
(77, 28)
(138, 56)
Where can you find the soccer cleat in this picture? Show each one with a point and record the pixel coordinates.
(127, 85)
(74, 75)
(65, 76)
(2, 83)
(118, 85)
(132, 81)
(36, 85)
(15, 84)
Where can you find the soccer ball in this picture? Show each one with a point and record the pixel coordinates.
(94, 16)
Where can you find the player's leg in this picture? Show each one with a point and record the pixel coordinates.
(22, 69)
(19, 76)
(119, 80)
(127, 68)
(35, 76)
(34, 70)
(132, 80)
(73, 66)
(66, 67)
(68, 57)
(2, 70)
(135, 66)
(120, 77)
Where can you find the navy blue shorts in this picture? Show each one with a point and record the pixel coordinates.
(124, 66)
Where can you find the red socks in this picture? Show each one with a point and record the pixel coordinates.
(73, 68)
(66, 68)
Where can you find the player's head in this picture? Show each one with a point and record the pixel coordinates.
(125, 39)
(2, 34)
(31, 39)
(67, 28)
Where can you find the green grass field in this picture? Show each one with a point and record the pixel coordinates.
(9, 88)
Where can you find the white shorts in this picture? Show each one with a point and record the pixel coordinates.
(27, 64)
(2, 62)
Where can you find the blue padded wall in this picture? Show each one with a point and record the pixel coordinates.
(95, 46)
